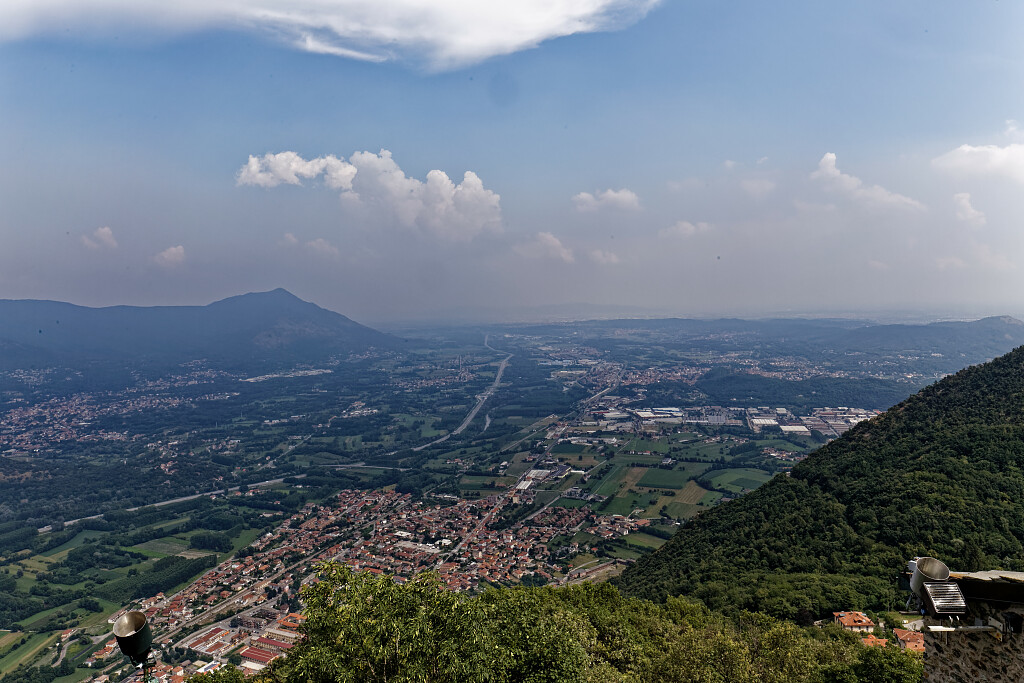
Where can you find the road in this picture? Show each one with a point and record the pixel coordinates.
(481, 400)
(182, 499)
(484, 396)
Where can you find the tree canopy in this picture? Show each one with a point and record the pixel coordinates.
(366, 628)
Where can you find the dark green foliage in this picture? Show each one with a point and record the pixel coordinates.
(211, 540)
(941, 474)
(369, 628)
(166, 573)
(39, 674)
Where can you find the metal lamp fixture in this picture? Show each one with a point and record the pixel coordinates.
(134, 637)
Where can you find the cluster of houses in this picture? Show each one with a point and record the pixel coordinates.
(861, 624)
(256, 647)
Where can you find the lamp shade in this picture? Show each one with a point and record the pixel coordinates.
(133, 636)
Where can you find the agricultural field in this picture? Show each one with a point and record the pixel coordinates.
(645, 540)
(665, 479)
(740, 479)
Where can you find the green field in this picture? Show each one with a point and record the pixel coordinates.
(78, 675)
(683, 437)
(78, 540)
(165, 546)
(710, 498)
(644, 540)
(691, 494)
(609, 485)
(647, 445)
(33, 644)
(570, 503)
(664, 479)
(678, 510)
(627, 502)
(741, 478)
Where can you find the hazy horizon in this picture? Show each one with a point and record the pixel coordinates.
(582, 311)
(409, 161)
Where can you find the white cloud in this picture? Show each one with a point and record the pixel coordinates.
(605, 258)
(685, 229)
(271, 170)
(544, 245)
(456, 212)
(170, 257)
(322, 246)
(758, 188)
(446, 33)
(729, 164)
(984, 160)
(101, 237)
(855, 189)
(289, 240)
(607, 199)
(967, 213)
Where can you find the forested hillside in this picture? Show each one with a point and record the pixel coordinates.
(939, 474)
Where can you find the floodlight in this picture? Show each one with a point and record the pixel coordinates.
(134, 637)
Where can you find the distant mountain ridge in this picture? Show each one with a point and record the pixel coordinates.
(254, 326)
(940, 474)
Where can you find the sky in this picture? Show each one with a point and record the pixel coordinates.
(445, 159)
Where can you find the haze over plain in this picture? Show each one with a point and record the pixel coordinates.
(691, 158)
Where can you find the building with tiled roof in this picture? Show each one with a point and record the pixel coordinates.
(874, 641)
(858, 622)
(909, 640)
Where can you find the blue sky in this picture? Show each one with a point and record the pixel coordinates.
(692, 158)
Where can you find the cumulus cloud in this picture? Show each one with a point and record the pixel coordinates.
(605, 258)
(993, 160)
(438, 205)
(323, 247)
(271, 170)
(967, 213)
(445, 33)
(101, 237)
(170, 257)
(289, 240)
(544, 245)
(758, 188)
(685, 229)
(607, 199)
(854, 188)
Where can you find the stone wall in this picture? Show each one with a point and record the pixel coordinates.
(973, 657)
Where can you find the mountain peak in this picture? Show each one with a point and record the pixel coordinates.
(258, 326)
